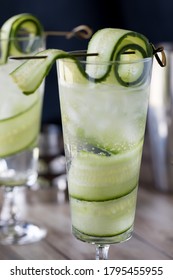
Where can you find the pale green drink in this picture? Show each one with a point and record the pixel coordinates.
(20, 118)
(104, 98)
(103, 128)
(19, 129)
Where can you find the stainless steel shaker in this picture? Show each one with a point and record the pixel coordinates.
(160, 122)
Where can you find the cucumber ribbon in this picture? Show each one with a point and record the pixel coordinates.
(129, 50)
(15, 28)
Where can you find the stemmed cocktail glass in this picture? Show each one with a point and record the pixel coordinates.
(20, 117)
(103, 127)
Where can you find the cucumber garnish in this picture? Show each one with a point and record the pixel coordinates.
(15, 29)
(30, 75)
(110, 44)
(123, 46)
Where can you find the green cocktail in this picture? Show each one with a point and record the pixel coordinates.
(103, 128)
(19, 129)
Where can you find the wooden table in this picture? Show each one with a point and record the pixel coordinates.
(49, 207)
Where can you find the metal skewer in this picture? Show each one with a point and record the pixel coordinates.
(77, 54)
(45, 56)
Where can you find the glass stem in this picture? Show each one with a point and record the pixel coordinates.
(8, 211)
(102, 252)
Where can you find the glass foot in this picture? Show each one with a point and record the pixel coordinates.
(21, 233)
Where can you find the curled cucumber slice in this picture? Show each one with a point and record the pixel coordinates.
(30, 75)
(125, 47)
(110, 44)
(105, 218)
(94, 177)
(18, 27)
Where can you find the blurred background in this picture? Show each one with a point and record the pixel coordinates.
(152, 18)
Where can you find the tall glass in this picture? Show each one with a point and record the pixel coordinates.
(20, 117)
(103, 128)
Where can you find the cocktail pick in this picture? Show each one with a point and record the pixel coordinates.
(81, 31)
(162, 61)
(76, 54)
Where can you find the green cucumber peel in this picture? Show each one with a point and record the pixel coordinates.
(120, 195)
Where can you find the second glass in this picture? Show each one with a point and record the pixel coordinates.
(20, 118)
